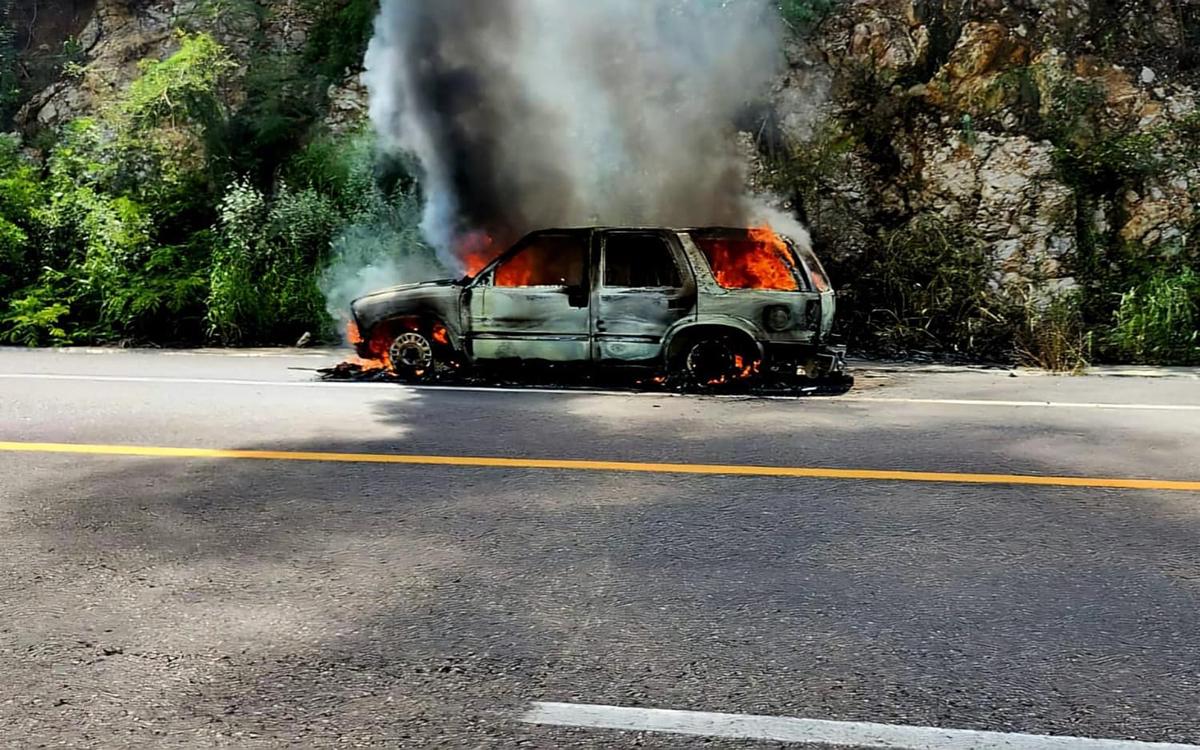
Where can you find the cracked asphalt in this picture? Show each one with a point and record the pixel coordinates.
(194, 602)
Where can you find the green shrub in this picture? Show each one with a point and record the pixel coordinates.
(41, 314)
(35, 320)
(161, 298)
(339, 36)
(800, 14)
(21, 193)
(929, 288)
(13, 260)
(283, 100)
(341, 168)
(234, 306)
(1158, 321)
(264, 275)
(182, 90)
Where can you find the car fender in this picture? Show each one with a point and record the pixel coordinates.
(381, 309)
(713, 321)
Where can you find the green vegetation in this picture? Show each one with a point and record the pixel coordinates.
(1159, 319)
(800, 14)
(10, 84)
(1138, 302)
(927, 289)
(339, 35)
(114, 224)
(150, 222)
(1049, 331)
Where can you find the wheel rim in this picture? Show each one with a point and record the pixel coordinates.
(712, 362)
(411, 354)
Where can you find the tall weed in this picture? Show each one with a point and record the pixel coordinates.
(1158, 321)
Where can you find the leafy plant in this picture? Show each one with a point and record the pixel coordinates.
(282, 102)
(40, 314)
(162, 296)
(1158, 321)
(21, 192)
(263, 283)
(181, 90)
(32, 321)
(234, 306)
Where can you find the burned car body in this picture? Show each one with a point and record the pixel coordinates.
(710, 304)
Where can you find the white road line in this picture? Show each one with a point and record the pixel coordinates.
(1044, 404)
(596, 392)
(815, 731)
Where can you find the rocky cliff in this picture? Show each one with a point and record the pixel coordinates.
(991, 114)
(95, 46)
(1059, 133)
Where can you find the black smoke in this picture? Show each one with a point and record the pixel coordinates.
(535, 113)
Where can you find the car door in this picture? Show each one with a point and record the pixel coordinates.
(644, 287)
(534, 303)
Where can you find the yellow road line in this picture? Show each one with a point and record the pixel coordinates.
(614, 466)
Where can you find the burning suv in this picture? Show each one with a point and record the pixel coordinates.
(709, 306)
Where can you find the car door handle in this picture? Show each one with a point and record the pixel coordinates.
(601, 326)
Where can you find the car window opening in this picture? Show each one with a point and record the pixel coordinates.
(752, 259)
(548, 260)
(639, 261)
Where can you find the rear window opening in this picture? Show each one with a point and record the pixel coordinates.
(750, 259)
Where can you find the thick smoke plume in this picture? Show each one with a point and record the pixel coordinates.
(535, 113)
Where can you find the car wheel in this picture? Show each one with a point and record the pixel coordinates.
(411, 356)
(720, 360)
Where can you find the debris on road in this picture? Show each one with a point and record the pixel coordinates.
(546, 375)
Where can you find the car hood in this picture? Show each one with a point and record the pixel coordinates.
(405, 288)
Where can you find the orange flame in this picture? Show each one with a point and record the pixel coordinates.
(760, 260)
(743, 369)
(476, 250)
(377, 348)
(517, 271)
(440, 334)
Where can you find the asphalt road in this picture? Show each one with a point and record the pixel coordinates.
(211, 599)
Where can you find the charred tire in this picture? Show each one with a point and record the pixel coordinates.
(411, 356)
(716, 360)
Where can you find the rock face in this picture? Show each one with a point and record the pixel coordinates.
(348, 102)
(1032, 124)
(120, 33)
(1008, 191)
